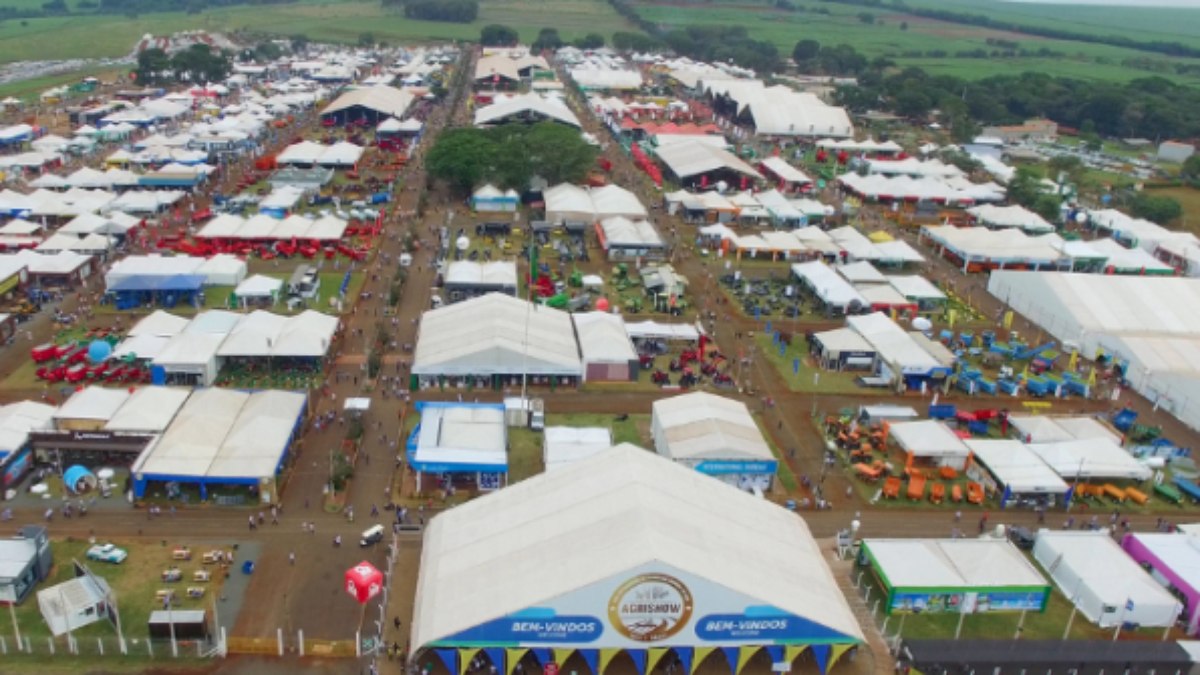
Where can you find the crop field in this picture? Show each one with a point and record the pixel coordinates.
(887, 37)
(1169, 24)
(99, 36)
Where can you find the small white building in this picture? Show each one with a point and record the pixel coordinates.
(716, 436)
(74, 604)
(562, 446)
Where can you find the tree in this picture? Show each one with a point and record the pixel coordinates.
(299, 42)
(200, 63)
(547, 39)
(903, 25)
(1048, 206)
(1191, 169)
(366, 39)
(1161, 210)
(590, 41)
(913, 103)
(461, 157)
(805, 50)
(866, 17)
(496, 35)
(556, 152)
(633, 42)
(153, 66)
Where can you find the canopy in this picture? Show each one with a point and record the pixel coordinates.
(1015, 467)
(928, 438)
(259, 286)
(700, 425)
(952, 564)
(1106, 585)
(830, 288)
(1094, 458)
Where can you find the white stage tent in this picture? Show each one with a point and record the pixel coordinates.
(1095, 458)
(148, 410)
(697, 426)
(689, 159)
(496, 334)
(262, 226)
(1107, 586)
(259, 287)
(563, 542)
(342, 153)
(932, 440)
(1055, 429)
(1013, 468)
(784, 171)
(263, 334)
(828, 286)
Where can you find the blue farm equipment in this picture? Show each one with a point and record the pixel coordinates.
(1124, 419)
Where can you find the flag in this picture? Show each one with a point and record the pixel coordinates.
(1129, 605)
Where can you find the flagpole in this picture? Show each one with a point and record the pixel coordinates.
(1117, 630)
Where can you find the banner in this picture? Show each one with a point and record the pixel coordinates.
(464, 659)
(656, 654)
(731, 655)
(606, 657)
(685, 659)
(792, 651)
(592, 658)
(512, 658)
(700, 654)
(744, 655)
(838, 652)
(449, 658)
(496, 656)
(639, 659)
(561, 655)
(821, 654)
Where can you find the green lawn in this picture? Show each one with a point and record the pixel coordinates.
(525, 445)
(134, 583)
(98, 36)
(826, 382)
(886, 37)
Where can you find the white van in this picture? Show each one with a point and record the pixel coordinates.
(371, 535)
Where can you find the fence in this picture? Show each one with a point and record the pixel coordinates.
(71, 647)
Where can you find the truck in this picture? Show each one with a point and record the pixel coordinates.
(537, 414)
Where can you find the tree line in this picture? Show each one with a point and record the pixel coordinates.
(130, 7)
(198, 64)
(510, 155)
(450, 11)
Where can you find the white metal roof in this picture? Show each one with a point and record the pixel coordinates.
(93, 403)
(190, 349)
(1014, 215)
(462, 434)
(258, 286)
(1053, 429)
(501, 273)
(607, 515)
(571, 202)
(496, 334)
(603, 338)
(1016, 466)
(861, 272)
(928, 438)
(159, 323)
(1179, 552)
(690, 158)
(148, 409)
(225, 433)
(915, 287)
(700, 425)
(562, 446)
(843, 340)
(18, 419)
(828, 285)
(1092, 458)
(953, 563)
(789, 173)
(526, 105)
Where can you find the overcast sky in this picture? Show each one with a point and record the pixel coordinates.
(1190, 4)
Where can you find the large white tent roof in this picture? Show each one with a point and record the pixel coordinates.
(1014, 215)
(496, 334)
(1091, 458)
(893, 344)
(692, 159)
(148, 410)
(953, 563)
(1016, 467)
(571, 202)
(225, 433)
(382, 99)
(700, 425)
(1053, 429)
(18, 419)
(828, 285)
(526, 105)
(92, 403)
(608, 515)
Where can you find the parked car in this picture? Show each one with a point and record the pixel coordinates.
(1021, 537)
(107, 553)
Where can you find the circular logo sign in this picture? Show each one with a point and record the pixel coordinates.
(650, 607)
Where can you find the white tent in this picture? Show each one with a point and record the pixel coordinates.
(1095, 458)
(687, 159)
(1010, 216)
(148, 410)
(563, 541)
(714, 435)
(931, 439)
(570, 202)
(496, 334)
(1014, 468)
(861, 272)
(259, 286)
(952, 564)
(1107, 586)
(897, 348)
(604, 344)
(563, 446)
(74, 603)
(829, 287)
(223, 269)
(525, 106)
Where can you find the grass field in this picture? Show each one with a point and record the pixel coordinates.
(134, 583)
(886, 38)
(525, 445)
(98, 36)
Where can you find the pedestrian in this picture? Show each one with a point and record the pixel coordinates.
(251, 522)
(396, 622)
(292, 558)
